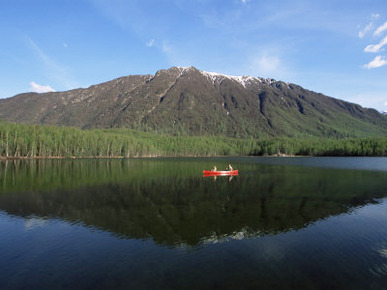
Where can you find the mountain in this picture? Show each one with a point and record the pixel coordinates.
(193, 102)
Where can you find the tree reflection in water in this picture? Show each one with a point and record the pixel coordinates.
(169, 201)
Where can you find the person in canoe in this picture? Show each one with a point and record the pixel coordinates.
(214, 168)
(229, 167)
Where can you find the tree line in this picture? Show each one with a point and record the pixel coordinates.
(40, 141)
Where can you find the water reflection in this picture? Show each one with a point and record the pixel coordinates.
(214, 177)
(169, 201)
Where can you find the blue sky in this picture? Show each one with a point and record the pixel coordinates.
(337, 48)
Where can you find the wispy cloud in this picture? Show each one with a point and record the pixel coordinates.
(268, 63)
(369, 26)
(381, 29)
(53, 70)
(379, 60)
(365, 30)
(150, 43)
(166, 47)
(376, 47)
(46, 60)
(36, 88)
(369, 99)
(376, 62)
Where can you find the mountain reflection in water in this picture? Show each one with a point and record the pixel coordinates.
(169, 201)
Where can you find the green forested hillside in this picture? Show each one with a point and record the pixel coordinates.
(37, 141)
(191, 102)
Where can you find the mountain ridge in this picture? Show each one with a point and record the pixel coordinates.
(188, 101)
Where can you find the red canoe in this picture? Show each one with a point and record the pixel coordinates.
(217, 173)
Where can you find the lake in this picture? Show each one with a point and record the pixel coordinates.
(282, 223)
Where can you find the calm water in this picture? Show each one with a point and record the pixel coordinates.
(283, 223)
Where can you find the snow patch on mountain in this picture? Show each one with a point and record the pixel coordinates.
(215, 77)
(218, 77)
(243, 80)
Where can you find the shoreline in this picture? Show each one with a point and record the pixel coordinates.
(2, 158)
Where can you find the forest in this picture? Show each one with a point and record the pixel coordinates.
(41, 141)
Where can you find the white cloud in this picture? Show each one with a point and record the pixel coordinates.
(369, 26)
(377, 62)
(267, 64)
(150, 43)
(166, 47)
(366, 29)
(381, 29)
(36, 88)
(375, 16)
(376, 47)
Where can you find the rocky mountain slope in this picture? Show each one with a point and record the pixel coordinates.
(192, 102)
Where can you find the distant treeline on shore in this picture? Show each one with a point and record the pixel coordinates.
(38, 141)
